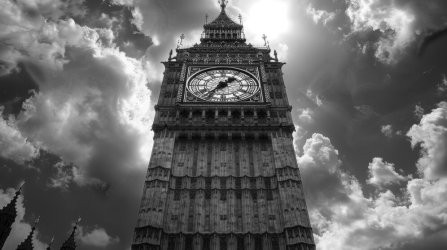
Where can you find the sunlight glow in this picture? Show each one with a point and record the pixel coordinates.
(155, 40)
(268, 17)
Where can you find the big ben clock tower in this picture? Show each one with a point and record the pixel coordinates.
(223, 173)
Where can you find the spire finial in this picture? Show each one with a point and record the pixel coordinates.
(276, 55)
(36, 222)
(265, 40)
(50, 244)
(180, 42)
(206, 19)
(240, 19)
(223, 4)
(78, 221)
(21, 186)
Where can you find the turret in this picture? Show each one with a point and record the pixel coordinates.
(28, 243)
(70, 243)
(223, 28)
(50, 244)
(8, 215)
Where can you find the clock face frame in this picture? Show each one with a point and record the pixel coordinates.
(223, 84)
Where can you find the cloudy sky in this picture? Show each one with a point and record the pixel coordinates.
(367, 80)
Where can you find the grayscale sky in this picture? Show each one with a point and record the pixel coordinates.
(367, 80)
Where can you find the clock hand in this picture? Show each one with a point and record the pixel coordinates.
(220, 85)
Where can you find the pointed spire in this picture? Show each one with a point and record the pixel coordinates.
(206, 19)
(50, 244)
(276, 55)
(8, 215)
(28, 243)
(240, 19)
(223, 20)
(70, 243)
(10, 209)
(223, 28)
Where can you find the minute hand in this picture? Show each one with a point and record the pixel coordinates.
(220, 85)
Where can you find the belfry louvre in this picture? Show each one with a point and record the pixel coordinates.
(223, 173)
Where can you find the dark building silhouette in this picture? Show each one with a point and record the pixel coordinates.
(223, 173)
(70, 243)
(8, 215)
(28, 243)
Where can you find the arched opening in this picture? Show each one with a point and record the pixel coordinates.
(197, 116)
(209, 115)
(236, 116)
(184, 114)
(262, 116)
(223, 115)
(248, 116)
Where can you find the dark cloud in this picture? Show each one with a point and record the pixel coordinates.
(15, 89)
(431, 38)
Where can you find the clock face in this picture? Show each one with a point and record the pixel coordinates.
(223, 85)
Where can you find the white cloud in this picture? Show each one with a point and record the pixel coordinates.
(395, 25)
(431, 135)
(13, 145)
(137, 18)
(314, 97)
(387, 130)
(418, 111)
(344, 218)
(382, 174)
(92, 101)
(318, 152)
(320, 16)
(442, 87)
(63, 178)
(98, 237)
(274, 27)
(305, 116)
(299, 136)
(123, 2)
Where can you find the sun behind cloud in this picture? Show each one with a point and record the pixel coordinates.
(270, 17)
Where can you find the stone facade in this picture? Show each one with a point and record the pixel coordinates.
(223, 175)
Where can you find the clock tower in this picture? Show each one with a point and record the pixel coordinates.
(223, 173)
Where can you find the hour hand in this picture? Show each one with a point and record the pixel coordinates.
(231, 79)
